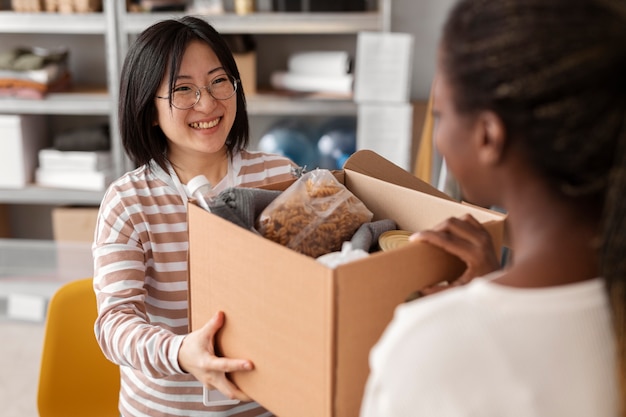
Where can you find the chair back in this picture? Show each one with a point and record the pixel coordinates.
(75, 380)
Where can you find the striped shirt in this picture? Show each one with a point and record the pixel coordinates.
(140, 280)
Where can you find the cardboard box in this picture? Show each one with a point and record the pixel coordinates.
(308, 328)
(74, 224)
(73, 231)
(246, 63)
(22, 136)
(5, 222)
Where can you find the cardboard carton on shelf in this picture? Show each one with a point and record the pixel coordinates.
(74, 224)
(73, 231)
(309, 328)
(246, 64)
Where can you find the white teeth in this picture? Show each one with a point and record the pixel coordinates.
(205, 125)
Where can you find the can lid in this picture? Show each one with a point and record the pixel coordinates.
(393, 239)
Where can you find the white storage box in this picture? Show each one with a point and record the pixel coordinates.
(21, 137)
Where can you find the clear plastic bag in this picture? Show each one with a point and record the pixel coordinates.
(314, 216)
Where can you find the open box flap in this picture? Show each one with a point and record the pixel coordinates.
(369, 163)
(373, 165)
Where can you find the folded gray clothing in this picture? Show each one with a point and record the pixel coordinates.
(242, 205)
(7, 58)
(92, 138)
(367, 234)
(28, 62)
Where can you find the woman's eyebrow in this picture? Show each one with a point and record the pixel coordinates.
(216, 69)
(188, 77)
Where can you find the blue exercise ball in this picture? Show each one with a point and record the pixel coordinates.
(337, 141)
(293, 140)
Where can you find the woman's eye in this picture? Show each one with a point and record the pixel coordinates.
(219, 80)
(182, 89)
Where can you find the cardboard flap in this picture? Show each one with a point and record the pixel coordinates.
(373, 165)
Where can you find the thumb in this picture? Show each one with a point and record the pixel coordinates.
(213, 325)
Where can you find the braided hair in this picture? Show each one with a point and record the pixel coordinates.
(555, 73)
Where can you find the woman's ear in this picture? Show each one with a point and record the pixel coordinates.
(491, 149)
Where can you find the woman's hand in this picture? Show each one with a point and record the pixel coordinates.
(466, 238)
(197, 357)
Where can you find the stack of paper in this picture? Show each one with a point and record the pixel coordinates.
(316, 72)
(83, 170)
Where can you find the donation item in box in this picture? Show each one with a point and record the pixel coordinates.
(309, 328)
(314, 216)
(21, 137)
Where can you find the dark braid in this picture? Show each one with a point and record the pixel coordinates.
(555, 72)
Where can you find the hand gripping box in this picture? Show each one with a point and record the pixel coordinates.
(309, 328)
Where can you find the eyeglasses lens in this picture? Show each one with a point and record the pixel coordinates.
(186, 96)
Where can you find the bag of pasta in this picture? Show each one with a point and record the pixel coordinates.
(314, 215)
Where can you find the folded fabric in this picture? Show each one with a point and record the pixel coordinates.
(367, 235)
(30, 59)
(242, 206)
(92, 138)
(23, 88)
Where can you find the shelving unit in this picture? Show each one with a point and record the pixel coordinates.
(118, 26)
(80, 100)
(279, 23)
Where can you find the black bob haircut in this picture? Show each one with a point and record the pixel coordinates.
(157, 50)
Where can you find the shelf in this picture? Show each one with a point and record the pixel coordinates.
(52, 196)
(52, 23)
(78, 101)
(269, 23)
(299, 105)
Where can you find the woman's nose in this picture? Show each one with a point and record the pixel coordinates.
(205, 101)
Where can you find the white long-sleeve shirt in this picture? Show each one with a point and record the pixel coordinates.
(140, 279)
(488, 350)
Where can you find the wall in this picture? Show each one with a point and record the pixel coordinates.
(423, 19)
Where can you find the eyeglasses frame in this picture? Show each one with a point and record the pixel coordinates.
(234, 80)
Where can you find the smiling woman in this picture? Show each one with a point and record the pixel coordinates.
(197, 124)
(182, 114)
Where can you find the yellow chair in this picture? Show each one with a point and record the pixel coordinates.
(75, 380)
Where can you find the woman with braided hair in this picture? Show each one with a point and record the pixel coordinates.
(530, 109)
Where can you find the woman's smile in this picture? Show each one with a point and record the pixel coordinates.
(205, 124)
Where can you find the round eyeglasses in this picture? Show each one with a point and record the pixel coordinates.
(185, 96)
